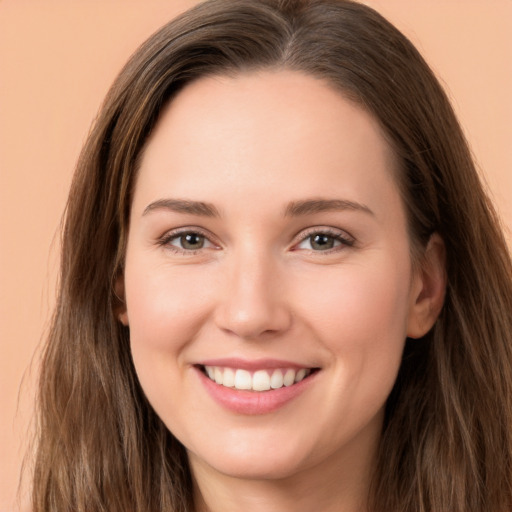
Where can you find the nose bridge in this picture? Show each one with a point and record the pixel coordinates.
(254, 301)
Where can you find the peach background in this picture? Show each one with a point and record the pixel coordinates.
(57, 59)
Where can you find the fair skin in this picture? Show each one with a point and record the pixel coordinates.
(299, 260)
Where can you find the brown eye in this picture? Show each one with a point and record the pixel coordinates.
(191, 241)
(322, 242)
(186, 242)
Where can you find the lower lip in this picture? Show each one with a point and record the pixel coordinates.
(254, 402)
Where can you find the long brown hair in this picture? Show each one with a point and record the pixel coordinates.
(447, 438)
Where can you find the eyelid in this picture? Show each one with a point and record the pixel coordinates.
(345, 239)
(340, 235)
(166, 238)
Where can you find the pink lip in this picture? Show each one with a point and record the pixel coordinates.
(253, 365)
(253, 402)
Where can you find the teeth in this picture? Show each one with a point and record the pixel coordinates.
(300, 375)
(289, 377)
(276, 381)
(229, 378)
(243, 379)
(261, 380)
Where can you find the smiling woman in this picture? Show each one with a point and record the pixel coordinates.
(271, 296)
(275, 287)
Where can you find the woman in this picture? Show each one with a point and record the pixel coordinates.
(282, 284)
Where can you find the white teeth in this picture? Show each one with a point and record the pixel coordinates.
(276, 381)
(261, 380)
(289, 377)
(229, 378)
(243, 379)
(300, 375)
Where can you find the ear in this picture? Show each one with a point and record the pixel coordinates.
(428, 289)
(120, 310)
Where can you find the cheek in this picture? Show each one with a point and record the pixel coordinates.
(166, 309)
(358, 299)
(360, 315)
(165, 305)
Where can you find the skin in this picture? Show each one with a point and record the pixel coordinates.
(250, 145)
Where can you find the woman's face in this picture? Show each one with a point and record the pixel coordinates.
(268, 245)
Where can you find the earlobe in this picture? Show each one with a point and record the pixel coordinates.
(120, 310)
(428, 289)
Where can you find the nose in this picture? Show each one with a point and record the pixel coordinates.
(254, 304)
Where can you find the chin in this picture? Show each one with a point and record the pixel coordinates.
(271, 468)
(254, 462)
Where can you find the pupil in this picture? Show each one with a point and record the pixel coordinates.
(192, 241)
(322, 242)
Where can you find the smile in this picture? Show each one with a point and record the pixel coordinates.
(254, 387)
(259, 380)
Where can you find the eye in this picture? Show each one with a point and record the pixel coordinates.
(323, 241)
(186, 241)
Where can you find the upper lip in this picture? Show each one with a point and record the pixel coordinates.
(252, 365)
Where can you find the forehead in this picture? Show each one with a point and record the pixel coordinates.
(268, 132)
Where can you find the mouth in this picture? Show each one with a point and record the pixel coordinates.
(255, 387)
(258, 380)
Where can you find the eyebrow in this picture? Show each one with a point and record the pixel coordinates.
(309, 206)
(293, 209)
(183, 206)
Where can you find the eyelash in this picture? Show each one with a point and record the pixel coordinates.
(343, 239)
(165, 240)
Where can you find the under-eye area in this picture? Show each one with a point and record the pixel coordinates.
(259, 380)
